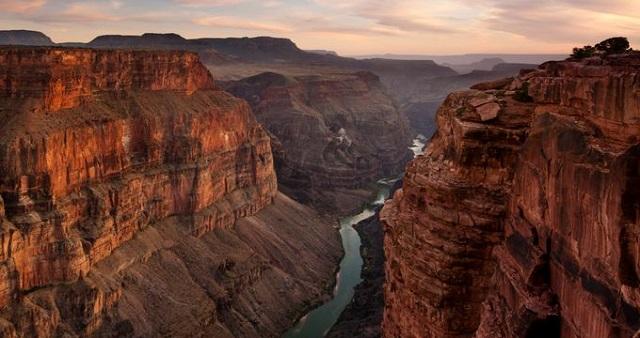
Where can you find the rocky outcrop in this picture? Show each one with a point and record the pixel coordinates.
(124, 176)
(90, 155)
(57, 78)
(332, 134)
(521, 221)
(249, 280)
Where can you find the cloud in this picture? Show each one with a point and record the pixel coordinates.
(306, 21)
(271, 3)
(239, 23)
(400, 15)
(353, 25)
(19, 6)
(570, 21)
(343, 30)
(413, 24)
(208, 3)
(82, 12)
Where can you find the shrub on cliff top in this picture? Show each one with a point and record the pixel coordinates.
(614, 45)
(584, 52)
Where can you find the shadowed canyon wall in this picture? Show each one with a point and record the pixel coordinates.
(140, 200)
(333, 134)
(522, 217)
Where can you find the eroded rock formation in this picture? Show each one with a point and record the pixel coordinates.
(122, 176)
(523, 221)
(333, 134)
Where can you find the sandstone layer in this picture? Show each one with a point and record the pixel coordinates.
(522, 217)
(123, 177)
(333, 134)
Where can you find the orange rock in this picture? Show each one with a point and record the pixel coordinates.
(526, 225)
(99, 145)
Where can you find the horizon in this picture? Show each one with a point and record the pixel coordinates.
(398, 55)
(359, 27)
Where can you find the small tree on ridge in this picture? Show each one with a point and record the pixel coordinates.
(615, 45)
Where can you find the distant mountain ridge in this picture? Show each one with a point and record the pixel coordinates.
(24, 38)
(460, 59)
(484, 64)
(265, 49)
(417, 85)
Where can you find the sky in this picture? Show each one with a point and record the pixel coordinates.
(349, 27)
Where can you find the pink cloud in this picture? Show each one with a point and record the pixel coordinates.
(242, 24)
(21, 6)
(208, 3)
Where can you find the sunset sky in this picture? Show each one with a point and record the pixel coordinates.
(350, 27)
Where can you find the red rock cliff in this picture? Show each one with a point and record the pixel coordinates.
(98, 146)
(64, 78)
(522, 217)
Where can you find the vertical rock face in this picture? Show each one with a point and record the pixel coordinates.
(77, 182)
(110, 160)
(332, 132)
(65, 78)
(522, 217)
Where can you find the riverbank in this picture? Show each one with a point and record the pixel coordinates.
(364, 314)
(349, 280)
(319, 321)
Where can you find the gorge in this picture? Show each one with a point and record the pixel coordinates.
(334, 134)
(159, 186)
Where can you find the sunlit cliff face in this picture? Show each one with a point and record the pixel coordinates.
(349, 27)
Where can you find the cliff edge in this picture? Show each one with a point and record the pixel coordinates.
(522, 217)
(137, 199)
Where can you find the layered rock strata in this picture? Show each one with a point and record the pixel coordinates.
(521, 218)
(122, 173)
(333, 134)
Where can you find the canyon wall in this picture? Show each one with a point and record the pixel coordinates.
(333, 134)
(522, 217)
(123, 175)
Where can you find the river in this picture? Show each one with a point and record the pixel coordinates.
(317, 323)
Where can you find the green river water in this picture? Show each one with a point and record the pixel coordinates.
(317, 323)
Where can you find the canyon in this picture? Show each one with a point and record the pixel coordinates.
(140, 199)
(333, 134)
(334, 130)
(521, 219)
(418, 85)
(160, 186)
